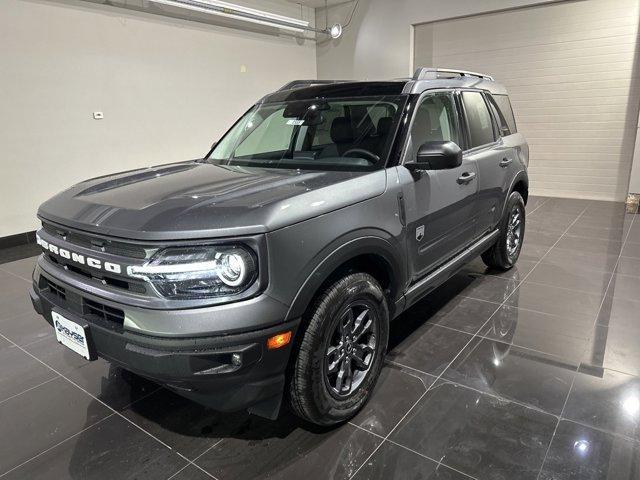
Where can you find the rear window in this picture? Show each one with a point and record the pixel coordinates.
(504, 108)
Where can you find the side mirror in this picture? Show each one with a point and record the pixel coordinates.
(439, 155)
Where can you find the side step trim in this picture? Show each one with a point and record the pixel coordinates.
(448, 269)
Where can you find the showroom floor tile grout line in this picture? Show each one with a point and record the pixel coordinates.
(484, 337)
(573, 380)
(603, 430)
(491, 394)
(627, 274)
(406, 448)
(113, 413)
(509, 306)
(103, 403)
(197, 458)
(512, 343)
(414, 375)
(57, 444)
(16, 275)
(29, 389)
(546, 200)
(573, 290)
(439, 463)
(50, 336)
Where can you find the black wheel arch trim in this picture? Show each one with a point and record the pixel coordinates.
(341, 251)
(520, 176)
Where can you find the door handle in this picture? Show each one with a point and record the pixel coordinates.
(466, 177)
(505, 162)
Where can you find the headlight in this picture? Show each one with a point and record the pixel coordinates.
(199, 272)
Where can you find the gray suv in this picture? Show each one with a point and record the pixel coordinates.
(269, 270)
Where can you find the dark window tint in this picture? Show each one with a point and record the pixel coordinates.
(478, 118)
(435, 120)
(504, 106)
(503, 126)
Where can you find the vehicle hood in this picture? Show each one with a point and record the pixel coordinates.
(204, 200)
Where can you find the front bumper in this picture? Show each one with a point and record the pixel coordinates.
(227, 372)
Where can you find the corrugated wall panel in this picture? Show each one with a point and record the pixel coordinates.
(573, 73)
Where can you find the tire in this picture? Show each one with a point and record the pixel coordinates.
(314, 392)
(502, 255)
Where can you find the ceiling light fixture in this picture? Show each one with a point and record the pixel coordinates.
(238, 12)
(336, 30)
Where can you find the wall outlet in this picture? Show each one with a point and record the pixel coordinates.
(98, 115)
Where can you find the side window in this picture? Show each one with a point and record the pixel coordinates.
(503, 126)
(504, 106)
(478, 118)
(435, 119)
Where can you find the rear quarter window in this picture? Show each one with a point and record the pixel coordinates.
(503, 105)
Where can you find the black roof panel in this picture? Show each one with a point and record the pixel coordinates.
(337, 90)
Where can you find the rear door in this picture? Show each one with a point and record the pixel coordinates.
(440, 204)
(492, 155)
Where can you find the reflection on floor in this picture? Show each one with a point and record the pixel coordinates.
(532, 373)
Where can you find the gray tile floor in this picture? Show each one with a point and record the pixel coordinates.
(527, 374)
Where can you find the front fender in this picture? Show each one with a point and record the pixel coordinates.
(348, 247)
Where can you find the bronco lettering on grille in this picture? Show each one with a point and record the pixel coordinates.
(79, 258)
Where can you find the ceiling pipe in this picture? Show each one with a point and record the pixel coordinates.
(238, 12)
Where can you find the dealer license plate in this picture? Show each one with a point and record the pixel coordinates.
(71, 335)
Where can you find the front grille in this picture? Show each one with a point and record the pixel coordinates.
(98, 244)
(91, 310)
(103, 311)
(56, 290)
(128, 284)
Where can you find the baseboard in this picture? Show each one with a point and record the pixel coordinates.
(18, 239)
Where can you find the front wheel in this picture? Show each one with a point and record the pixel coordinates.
(505, 252)
(340, 355)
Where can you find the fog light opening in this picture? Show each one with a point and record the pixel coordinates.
(236, 360)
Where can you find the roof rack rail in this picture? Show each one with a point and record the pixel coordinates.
(429, 73)
(308, 83)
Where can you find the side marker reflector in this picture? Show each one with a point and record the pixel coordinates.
(279, 340)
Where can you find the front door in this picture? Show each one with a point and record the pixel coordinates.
(439, 204)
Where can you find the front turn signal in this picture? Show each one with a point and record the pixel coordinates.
(279, 340)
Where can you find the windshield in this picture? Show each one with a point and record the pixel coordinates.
(348, 133)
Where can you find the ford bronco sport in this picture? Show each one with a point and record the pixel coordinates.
(270, 269)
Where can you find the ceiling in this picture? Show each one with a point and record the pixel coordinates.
(319, 3)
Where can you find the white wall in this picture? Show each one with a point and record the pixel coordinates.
(167, 86)
(377, 45)
(571, 69)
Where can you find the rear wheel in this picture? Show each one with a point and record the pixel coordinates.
(341, 351)
(505, 252)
